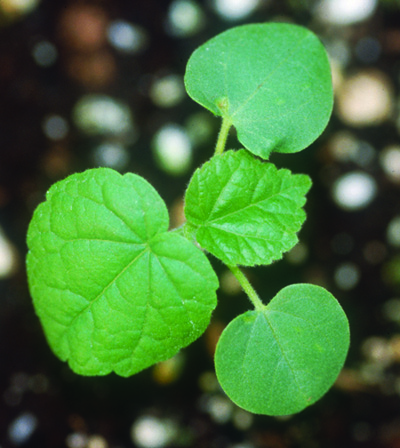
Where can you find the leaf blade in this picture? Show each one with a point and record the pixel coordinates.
(271, 81)
(98, 279)
(280, 360)
(245, 211)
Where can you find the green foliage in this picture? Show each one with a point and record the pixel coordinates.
(271, 81)
(116, 291)
(245, 211)
(281, 359)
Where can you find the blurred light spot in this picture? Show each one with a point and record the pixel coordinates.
(55, 127)
(361, 432)
(77, 440)
(298, 254)
(390, 162)
(342, 243)
(100, 114)
(235, 9)
(21, 429)
(200, 128)
(339, 51)
(347, 275)
(39, 383)
(93, 70)
(220, 408)
(112, 155)
(368, 50)
(229, 283)
(166, 372)
(375, 252)
(365, 154)
(151, 432)
(172, 149)
(393, 232)
(167, 91)
(8, 256)
(242, 419)
(345, 12)
(208, 382)
(44, 53)
(126, 37)
(343, 146)
(354, 191)
(177, 215)
(365, 99)
(83, 27)
(18, 7)
(185, 18)
(391, 271)
(97, 441)
(391, 310)
(377, 349)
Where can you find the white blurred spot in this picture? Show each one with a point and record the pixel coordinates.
(112, 155)
(167, 91)
(220, 408)
(151, 432)
(77, 440)
(100, 114)
(126, 37)
(354, 191)
(347, 275)
(8, 256)
(393, 232)
(44, 53)
(365, 99)
(390, 162)
(172, 149)
(377, 349)
(21, 429)
(185, 18)
(97, 441)
(345, 12)
(235, 9)
(55, 127)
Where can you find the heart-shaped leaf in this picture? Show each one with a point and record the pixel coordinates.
(271, 81)
(245, 211)
(113, 289)
(279, 360)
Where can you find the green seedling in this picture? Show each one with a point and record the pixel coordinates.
(117, 292)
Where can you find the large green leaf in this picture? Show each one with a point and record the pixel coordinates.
(113, 289)
(279, 360)
(271, 81)
(245, 211)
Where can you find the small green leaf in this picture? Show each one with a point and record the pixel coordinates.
(113, 289)
(245, 211)
(282, 359)
(271, 81)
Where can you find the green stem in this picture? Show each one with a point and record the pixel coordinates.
(247, 288)
(222, 136)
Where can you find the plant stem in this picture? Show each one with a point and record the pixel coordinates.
(222, 136)
(247, 288)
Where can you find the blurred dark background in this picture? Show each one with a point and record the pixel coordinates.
(100, 83)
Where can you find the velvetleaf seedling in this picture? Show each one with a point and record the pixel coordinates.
(117, 292)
